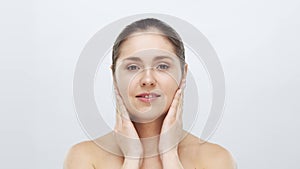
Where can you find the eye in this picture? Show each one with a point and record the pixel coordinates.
(162, 67)
(133, 67)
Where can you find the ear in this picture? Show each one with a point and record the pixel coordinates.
(183, 79)
(113, 76)
(185, 70)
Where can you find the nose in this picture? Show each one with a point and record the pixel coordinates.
(147, 78)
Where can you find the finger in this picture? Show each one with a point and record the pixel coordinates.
(119, 112)
(119, 99)
(180, 108)
(182, 83)
(116, 90)
(118, 105)
(118, 125)
(115, 86)
(121, 107)
(174, 105)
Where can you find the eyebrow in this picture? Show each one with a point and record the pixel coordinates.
(132, 58)
(163, 57)
(135, 58)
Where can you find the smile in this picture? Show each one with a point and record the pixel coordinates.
(147, 97)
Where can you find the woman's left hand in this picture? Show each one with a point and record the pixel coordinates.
(172, 132)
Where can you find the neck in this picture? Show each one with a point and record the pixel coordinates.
(149, 134)
(150, 129)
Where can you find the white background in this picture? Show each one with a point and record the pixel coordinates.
(257, 43)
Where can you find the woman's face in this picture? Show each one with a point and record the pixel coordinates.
(147, 75)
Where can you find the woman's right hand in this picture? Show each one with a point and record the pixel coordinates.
(126, 136)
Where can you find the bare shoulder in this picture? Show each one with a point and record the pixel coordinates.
(90, 155)
(80, 156)
(216, 157)
(204, 154)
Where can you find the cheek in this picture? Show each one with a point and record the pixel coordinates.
(169, 90)
(127, 88)
(123, 83)
(171, 93)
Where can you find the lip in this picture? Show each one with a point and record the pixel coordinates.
(147, 97)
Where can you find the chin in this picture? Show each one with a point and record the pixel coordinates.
(147, 112)
(146, 117)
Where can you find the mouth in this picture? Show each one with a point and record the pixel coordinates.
(147, 97)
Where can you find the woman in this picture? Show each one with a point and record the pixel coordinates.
(149, 73)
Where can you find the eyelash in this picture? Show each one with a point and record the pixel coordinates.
(161, 66)
(130, 67)
(164, 65)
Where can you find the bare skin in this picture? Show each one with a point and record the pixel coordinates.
(189, 152)
(193, 153)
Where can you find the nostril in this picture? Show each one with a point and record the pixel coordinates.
(148, 83)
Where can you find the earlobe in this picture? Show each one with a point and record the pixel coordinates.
(185, 70)
(113, 75)
(183, 79)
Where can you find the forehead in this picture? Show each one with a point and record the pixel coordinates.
(145, 41)
(150, 56)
